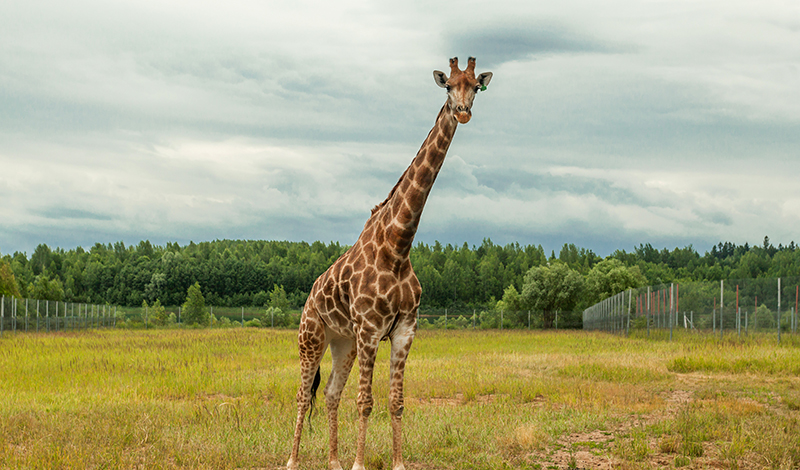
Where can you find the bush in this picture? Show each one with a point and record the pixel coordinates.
(254, 323)
(489, 319)
(280, 318)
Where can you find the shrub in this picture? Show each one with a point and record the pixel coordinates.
(254, 323)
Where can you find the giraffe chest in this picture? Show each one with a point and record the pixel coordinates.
(350, 296)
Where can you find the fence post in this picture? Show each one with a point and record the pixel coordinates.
(529, 319)
(721, 300)
(26, 314)
(445, 318)
(647, 312)
(242, 316)
(779, 310)
(739, 321)
(628, 327)
(2, 313)
(671, 305)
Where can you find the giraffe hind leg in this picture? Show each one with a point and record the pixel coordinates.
(314, 387)
(312, 344)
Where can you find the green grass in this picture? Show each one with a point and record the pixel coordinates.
(474, 400)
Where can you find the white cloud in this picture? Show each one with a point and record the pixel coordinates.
(616, 123)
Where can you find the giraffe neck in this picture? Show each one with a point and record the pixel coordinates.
(398, 217)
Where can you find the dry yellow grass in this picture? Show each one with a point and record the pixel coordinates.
(475, 400)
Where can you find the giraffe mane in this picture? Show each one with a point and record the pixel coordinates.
(391, 193)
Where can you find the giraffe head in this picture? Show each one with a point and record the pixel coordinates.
(462, 86)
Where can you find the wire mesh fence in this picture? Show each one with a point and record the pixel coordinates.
(733, 306)
(489, 318)
(34, 315)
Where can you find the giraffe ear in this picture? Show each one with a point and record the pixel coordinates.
(485, 78)
(440, 78)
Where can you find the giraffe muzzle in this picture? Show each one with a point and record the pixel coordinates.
(463, 117)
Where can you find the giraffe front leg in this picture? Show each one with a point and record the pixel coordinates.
(367, 346)
(401, 345)
(343, 352)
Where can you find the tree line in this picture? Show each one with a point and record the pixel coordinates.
(236, 273)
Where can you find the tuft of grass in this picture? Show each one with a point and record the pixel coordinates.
(635, 448)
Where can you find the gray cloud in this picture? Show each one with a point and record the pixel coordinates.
(507, 42)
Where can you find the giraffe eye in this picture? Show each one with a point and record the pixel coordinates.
(447, 87)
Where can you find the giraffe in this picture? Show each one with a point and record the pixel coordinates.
(371, 292)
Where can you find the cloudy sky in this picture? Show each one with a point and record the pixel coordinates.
(607, 124)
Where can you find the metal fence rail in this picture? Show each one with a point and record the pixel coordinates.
(733, 306)
(34, 315)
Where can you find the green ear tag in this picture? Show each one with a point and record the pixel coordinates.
(483, 87)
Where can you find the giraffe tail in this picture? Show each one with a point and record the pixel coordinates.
(314, 387)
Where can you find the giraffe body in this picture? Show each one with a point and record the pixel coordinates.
(371, 292)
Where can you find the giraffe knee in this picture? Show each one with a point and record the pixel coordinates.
(365, 406)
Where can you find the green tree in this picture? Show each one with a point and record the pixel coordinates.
(610, 277)
(45, 288)
(550, 289)
(194, 309)
(278, 298)
(8, 282)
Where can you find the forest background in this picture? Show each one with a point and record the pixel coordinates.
(238, 273)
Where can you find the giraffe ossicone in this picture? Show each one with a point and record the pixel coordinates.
(371, 292)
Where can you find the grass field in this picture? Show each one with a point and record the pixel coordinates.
(474, 400)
